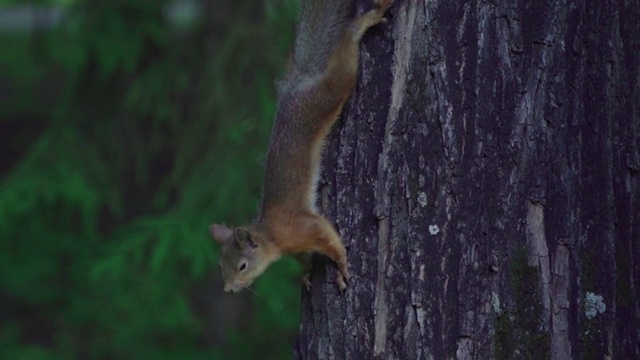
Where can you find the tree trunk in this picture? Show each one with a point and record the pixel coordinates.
(485, 179)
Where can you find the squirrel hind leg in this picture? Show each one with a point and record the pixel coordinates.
(341, 73)
(371, 18)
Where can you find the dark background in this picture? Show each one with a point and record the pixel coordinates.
(126, 127)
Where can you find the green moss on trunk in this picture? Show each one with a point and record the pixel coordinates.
(519, 332)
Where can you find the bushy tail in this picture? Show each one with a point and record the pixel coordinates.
(320, 26)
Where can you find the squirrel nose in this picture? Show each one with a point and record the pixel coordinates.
(227, 288)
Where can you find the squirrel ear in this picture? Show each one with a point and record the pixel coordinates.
(244, 238)
(220, 232)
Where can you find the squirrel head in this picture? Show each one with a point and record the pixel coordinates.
(244, 255)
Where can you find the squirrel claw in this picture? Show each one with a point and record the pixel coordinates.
(343, 277)
(341, 283)
(306, 281)
(382, 5)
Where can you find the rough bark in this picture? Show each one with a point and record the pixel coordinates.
(486, 181)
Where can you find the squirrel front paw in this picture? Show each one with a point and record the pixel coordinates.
(306, 280)
(343, 277)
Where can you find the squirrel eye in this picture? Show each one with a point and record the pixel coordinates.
(243, 266)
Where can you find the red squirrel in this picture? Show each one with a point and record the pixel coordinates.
(324, 72)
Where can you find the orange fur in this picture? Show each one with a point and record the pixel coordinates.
(308, 106)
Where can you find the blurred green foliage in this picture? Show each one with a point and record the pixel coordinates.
(123, 136)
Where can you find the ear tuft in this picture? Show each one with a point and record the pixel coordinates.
(220, 232)
(244, 238)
